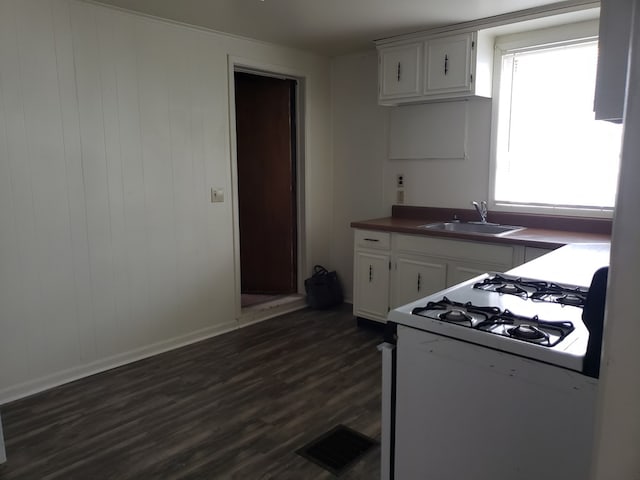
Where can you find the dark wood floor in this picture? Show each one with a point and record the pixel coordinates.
(234, 406)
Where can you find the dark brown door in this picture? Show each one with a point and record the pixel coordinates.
(265, 134)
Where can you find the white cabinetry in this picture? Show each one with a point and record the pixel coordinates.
(401, 71)
(392, 269)
(613, 47)
(448, 64)
(432, 68)
(416, 276)
(371, 275)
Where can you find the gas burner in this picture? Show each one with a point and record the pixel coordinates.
(511, 289)
(529, 333)
(455, 316)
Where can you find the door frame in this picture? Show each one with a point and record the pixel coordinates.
(239, 64)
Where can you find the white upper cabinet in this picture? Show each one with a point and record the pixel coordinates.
(613, 48)
(433, 68)
(401, 71)
(448, 64)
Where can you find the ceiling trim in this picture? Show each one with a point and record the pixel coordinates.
(568, 6)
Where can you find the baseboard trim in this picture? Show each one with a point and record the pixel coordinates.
(66, 376)
(56, 379)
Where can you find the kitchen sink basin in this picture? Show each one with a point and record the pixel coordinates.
(473, 228)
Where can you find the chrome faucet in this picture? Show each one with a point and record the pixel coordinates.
(481, 208)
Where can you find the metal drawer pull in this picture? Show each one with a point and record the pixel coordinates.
(398, 71)
(419, 279)
(372, 240)
(446, 64)
(370, 273)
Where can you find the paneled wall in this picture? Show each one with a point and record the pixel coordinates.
(113, 129)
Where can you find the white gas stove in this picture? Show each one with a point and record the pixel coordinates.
(527, 317)
(494, 366)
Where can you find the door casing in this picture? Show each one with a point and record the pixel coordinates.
(238, 64)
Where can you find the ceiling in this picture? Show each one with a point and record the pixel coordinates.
(327, 27)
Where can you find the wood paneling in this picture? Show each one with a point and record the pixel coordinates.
(113, 129)
(235, 406)
(104, 215)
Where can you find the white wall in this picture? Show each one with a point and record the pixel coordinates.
(359, 151)
(365, 179)
(616, 452)
(113, 128)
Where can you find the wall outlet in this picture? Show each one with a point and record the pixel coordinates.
(217, 195)
(399, 188)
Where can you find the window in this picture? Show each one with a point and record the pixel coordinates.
(549, 152)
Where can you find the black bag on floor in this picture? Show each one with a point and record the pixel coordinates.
(323, 288)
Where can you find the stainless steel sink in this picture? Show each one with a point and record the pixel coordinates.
(473, 228)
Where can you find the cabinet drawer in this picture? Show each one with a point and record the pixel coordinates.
(373, 239)
(455, 249)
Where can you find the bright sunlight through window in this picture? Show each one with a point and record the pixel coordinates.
(550, 151)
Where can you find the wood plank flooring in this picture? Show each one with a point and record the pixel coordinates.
(234, 406)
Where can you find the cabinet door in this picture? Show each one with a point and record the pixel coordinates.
(417, 277)
(459, 273)
(400, 71)
(371, 299)
(613, 47)
(448, 64)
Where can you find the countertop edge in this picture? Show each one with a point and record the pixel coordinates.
(531, 237)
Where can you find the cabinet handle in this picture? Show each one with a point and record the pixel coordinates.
(370, 273)
(398, 71)
(371, 240)
(446, 64)
(419, 280)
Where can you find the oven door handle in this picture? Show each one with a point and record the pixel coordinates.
(388, 416)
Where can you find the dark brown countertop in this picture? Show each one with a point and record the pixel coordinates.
(541, 231)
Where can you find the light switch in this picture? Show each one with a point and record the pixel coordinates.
(217, 195)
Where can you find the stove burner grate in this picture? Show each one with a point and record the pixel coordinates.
(535, 290)
(511, 289)
(496, 321)
(456, 312)
(563, 296)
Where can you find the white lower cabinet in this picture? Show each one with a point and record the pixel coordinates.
(371, 293)
(393, 269)
(415, 277)
(459, 272)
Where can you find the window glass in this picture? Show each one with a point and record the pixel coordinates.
(550, 151)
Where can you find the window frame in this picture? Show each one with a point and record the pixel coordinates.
(567, 34)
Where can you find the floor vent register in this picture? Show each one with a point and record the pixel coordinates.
(338, 449)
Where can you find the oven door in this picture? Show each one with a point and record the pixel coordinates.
(464, 411)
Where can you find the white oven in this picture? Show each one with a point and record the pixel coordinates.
(485, 380)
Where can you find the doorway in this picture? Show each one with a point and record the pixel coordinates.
(266, 159)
